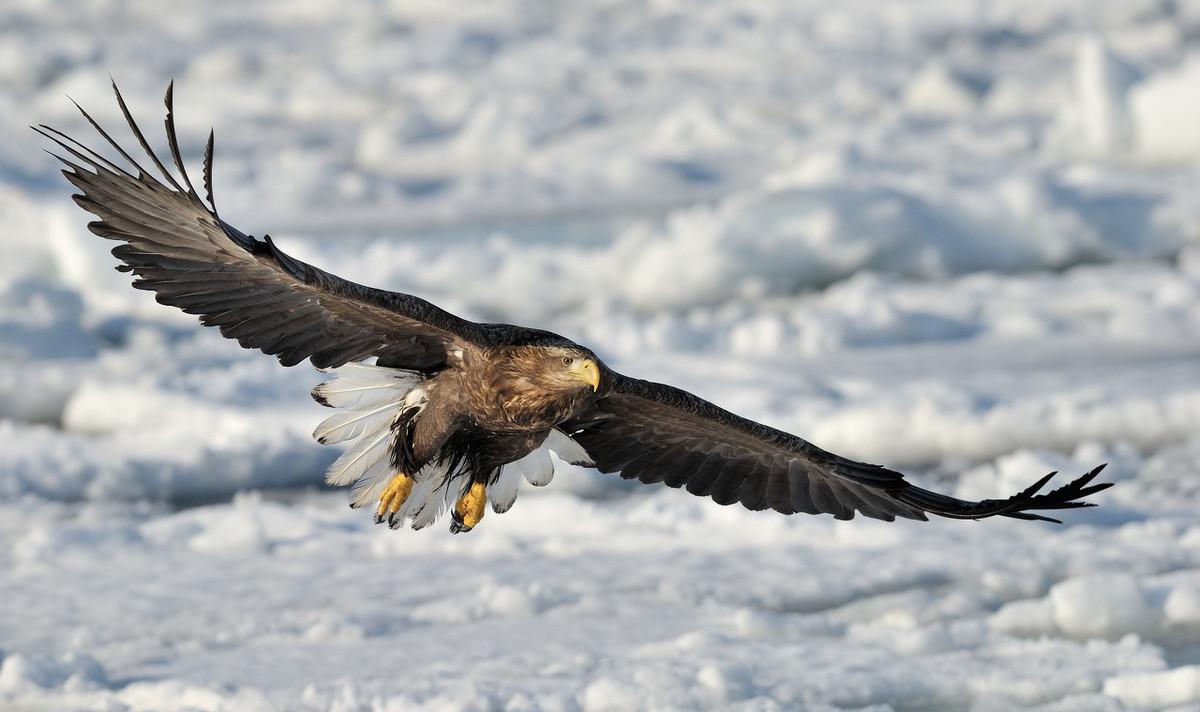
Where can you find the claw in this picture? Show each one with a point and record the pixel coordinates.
(468, 510)
(394, 496)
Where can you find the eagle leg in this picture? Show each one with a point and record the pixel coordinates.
(394, 496)
(468, 510)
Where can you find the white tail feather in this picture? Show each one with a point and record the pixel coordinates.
(370, 398)
(428, 500)
(358, 386)
(350, 424)
(367, 489)
(358, 460)
(503, 492)
(537, 467)
(356, 397)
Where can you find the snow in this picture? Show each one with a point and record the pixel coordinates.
(957, 238)
(1167, 113)
(1103, 605)
(1103, 80)
(1159, 689)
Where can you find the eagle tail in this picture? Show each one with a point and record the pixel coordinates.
(372, 402)
(357, 386)
(369, 400)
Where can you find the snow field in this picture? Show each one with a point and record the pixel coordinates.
(957, 238)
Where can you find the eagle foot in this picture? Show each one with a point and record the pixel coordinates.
(394, 496)
(468, 510)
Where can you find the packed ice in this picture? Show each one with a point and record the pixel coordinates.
(961, 239)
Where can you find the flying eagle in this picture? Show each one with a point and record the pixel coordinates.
(444, 413)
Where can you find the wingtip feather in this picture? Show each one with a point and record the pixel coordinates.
(173, 141)
(137, 133)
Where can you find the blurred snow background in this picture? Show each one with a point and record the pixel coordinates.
(957, 237)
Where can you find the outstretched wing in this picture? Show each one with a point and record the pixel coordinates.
(251, 290)
(658, 433)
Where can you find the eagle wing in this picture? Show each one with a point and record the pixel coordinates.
(179, 248)
(658, 433)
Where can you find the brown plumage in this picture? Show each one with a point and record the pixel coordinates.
(448, 407)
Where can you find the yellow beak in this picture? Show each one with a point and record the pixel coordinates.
(587, 371)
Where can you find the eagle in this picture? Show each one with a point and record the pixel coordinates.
(438, 413)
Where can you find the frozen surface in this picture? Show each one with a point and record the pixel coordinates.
(959, 238)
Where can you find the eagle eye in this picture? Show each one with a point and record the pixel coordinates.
(568, 360)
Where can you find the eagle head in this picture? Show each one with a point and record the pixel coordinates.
(570, 368)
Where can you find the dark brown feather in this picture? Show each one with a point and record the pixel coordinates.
(734, 459)
(254, 292)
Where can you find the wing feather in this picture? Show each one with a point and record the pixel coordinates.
(658, 433)
(180, 249)
(753, 494)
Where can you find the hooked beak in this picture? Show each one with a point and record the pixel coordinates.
(587, 371)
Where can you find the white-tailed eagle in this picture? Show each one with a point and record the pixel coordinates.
(444, 413)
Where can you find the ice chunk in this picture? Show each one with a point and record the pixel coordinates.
(1156, 690)
(1166, 114)
(938, 90)
(1106, 605)
(1102, 81)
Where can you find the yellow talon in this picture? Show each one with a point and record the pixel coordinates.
(468, 510)
(394, 495)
